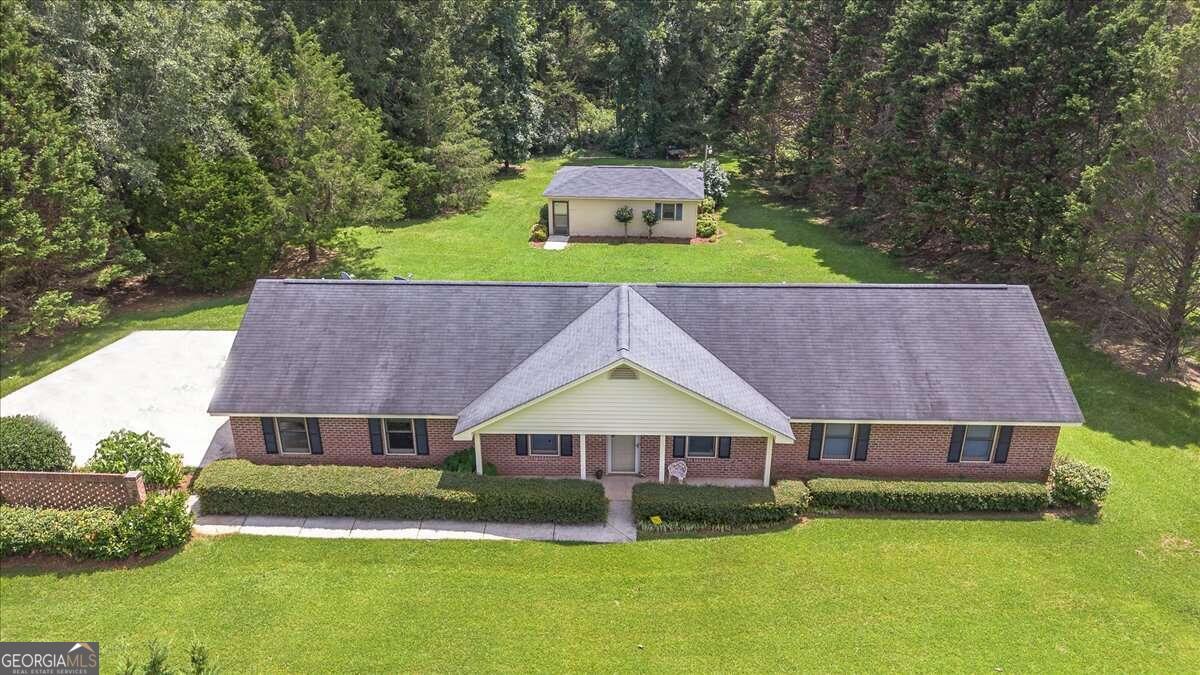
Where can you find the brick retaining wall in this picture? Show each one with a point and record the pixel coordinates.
(68, 490)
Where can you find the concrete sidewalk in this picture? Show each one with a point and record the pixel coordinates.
(618, 529)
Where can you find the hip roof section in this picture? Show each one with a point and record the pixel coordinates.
(899, 353)
(626, 182)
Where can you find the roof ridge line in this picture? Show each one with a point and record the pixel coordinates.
(623, 318)
(670, 175)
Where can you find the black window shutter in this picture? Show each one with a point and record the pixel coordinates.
(421, 431)
(658, 210)
(564, 445)
(1002, 444)
(814, 440)
(723, 446)
(522, 444)
(679, 211)
(268, 426)
(678, 446)
(956, 443)
(314, 436)
(864, 440)
(375, 427)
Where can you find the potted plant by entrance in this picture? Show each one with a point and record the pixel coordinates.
(598, 473)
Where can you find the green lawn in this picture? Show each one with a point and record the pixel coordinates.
(1118, 594)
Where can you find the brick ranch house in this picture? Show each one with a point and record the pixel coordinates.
(748, 382)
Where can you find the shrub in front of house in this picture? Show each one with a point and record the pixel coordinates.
(539, 232)
(124, 450)
(29, 443)
(160, 523)
(544, 215)
(238, 487)
(706, 227)
(922, 496)
(463, 461)
(650, 218)
(707, 205)
(709, 507)
(1077, 483)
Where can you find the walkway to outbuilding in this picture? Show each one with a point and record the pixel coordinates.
(556, 242)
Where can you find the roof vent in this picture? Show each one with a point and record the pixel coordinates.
(622, 373)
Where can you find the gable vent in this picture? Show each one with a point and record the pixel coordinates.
(622, 373)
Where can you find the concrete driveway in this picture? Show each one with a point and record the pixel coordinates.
(159, 381)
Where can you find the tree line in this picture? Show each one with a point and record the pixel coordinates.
(1058, 138)
(198, 141)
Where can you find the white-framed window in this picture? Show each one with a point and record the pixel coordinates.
(543, 444)
(292, 434)
(670, 211)
(979, 442)
(838, 442)
(400, 437)
(701, 446)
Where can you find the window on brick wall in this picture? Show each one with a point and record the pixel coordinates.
(701, 446)
(401, 437)
(839, 441)
(978, 443)
(292, 433)
(543, 444)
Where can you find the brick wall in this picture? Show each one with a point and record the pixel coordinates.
(344, 440)
(69, 490)
(919, 451)
(896, 450)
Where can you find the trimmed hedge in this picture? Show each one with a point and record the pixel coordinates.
(29, 443)
(921, 496)
(102, 533)
(1077, 483)
(238, 487)
(690, 507)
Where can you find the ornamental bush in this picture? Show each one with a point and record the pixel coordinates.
(706, 228)
(707, 205)
(544, 215)
(716, 180)
(1077, 483)
(921, 496)
(238, 487)
(463, 461)
(650, 218)
(100, 533)
(708, 507)
(29, 443)
(125, 450)
(538, 233)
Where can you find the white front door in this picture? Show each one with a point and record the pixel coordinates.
(622, 454)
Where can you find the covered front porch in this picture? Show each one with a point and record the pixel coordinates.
(629, 458)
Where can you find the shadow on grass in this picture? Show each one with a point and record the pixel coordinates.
(46, 565)
(1128, 406)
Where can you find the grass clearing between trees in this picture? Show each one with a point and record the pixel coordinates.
(960, 592)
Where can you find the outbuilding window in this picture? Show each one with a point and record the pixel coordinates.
(978, 443)
(401, 437)
(670, 211)
(292, 433)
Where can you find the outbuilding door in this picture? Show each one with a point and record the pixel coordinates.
(622, 454)
(561, 218)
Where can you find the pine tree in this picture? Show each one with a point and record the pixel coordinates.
(334, 173)
(511, 110)
(53, 232)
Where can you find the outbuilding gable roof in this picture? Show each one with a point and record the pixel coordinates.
(626, 182)
(884, 353)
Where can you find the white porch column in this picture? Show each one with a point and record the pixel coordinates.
(583, 456)
(767, 464)
(662, 458)
(478, 456)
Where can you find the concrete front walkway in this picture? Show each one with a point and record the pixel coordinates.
(618, 529)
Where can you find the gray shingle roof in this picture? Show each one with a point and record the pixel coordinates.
(824, 352)
(622, 326)
(626, 182)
